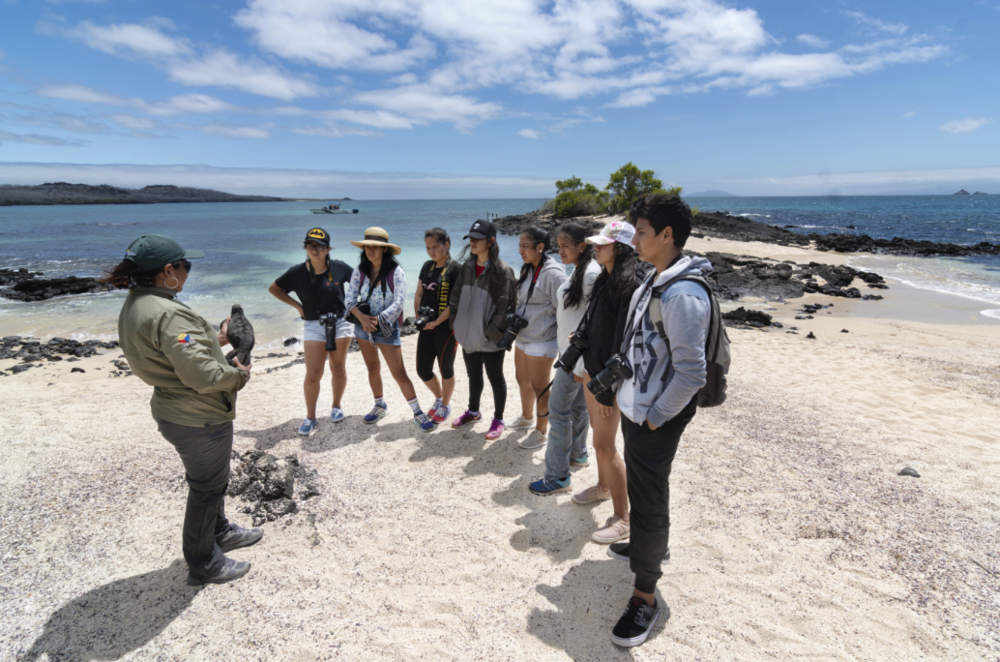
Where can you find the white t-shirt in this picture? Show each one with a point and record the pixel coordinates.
(567, 319)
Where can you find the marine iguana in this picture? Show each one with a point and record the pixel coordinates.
(240, 334)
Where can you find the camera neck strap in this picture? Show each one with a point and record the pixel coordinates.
(531, 287)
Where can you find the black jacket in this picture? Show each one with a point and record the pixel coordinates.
(605, 327)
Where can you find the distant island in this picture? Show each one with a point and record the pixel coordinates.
(709, 194)
(61, 193)
(962, 192)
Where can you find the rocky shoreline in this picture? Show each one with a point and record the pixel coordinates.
(722, 225)
(24, 285)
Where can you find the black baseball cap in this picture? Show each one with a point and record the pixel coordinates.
(152, 252)
(319, 236)
(482, 230)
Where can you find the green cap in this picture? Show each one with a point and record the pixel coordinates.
(151, 252)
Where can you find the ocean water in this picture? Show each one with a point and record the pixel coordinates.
(248, 245)
(940, 218)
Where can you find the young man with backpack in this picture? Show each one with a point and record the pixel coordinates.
(665, 344)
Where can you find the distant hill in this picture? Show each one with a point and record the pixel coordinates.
(61, 193)
(709, 194)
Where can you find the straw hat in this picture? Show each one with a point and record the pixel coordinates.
(377, 237)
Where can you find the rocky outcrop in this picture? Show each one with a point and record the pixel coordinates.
(267, 484)
(62, 193)
(961, 192)
(743, 317)
(24, 285)
(33, 351)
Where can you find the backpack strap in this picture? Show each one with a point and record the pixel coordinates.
(713, 339)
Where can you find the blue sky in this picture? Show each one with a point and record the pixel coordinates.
(498, 98)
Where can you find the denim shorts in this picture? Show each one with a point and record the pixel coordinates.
(377, 337)
(314, 330)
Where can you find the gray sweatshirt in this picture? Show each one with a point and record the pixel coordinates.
(666, 377)
(540, 310)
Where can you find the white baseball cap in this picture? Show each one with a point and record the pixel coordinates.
(619, 231)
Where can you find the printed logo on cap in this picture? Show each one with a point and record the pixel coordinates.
(316, 233)
(130, 253)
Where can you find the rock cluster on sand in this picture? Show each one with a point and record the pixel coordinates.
(736, 276)
(32, 351)
(267, 484)
(24, 285)
(743, 317)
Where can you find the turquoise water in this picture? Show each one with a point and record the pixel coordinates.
(248, 245)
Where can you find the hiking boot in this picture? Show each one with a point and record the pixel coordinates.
(522, 423)
(377, 412)
(590, 495)
(229, 571)
(614, 529)
(441, 414)
(545, 486)
(634, 625)
(466, 418)
(579, 462)
(237, 537)
(336, 414)
(619, 550)
(423, 422)
(496, 429)
(307, 427)
(535, 439)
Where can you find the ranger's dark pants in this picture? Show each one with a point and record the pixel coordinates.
(205, 452)
(648, 457)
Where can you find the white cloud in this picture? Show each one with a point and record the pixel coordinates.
(812, 41)
(529, 133)
(135, 123)
(335, 131)
(229, 130)
(425, 104)
(36, 139)
(864, 19)
(183, 104)
(910, 113)
(968, 125)
(184, 64)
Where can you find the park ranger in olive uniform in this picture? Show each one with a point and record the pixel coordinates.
(179, 354)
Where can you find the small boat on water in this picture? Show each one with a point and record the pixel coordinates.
(333, 208)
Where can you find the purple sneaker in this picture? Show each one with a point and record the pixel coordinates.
(466, 418)
(496, 429)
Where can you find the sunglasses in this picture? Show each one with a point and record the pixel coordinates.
(315, 247)
(183, 264)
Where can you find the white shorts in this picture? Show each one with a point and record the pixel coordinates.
(314, 330)
(548, 349)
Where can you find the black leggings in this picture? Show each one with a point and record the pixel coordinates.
(474, 362)
(437, 344)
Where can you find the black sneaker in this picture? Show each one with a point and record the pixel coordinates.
(237, 537)
(634, 625)
(619, 550)
(229, 571)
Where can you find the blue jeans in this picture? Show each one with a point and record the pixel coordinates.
(568, 424)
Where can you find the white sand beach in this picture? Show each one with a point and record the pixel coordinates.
(792, 535)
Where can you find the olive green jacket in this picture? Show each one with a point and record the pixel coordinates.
(175, 351)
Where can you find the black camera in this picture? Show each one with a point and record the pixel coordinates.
(616, 368)
(514, 325)
(424, 315)
(329, 320)
(577, 344)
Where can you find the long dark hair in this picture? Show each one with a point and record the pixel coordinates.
(622, 281)
(578, 231)
(388, 263)
(441, 235)
(496, 280)
(538, 236)
(127, 274)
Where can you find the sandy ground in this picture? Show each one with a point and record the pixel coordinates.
(792, 534)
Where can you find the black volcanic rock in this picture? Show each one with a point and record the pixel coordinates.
(743, 317)
(62, 193)
(22, 285)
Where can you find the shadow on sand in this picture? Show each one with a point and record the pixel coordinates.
(587, 605)
(115, 619)
(328, 436)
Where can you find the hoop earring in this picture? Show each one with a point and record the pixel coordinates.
(176, 284)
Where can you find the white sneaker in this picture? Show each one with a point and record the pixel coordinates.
(534, 440)
(522, 423)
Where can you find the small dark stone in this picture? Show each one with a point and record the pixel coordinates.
(909, 471)
(811, 336)
(291, 341)
(844, 331)
(77, 370)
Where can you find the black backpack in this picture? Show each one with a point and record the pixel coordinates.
(717, 349)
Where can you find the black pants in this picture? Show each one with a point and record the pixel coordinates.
(205, 452)
(493, 361)
(438, 343)
(648, 457)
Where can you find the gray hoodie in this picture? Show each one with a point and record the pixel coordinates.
(540, 310)
(666, 376)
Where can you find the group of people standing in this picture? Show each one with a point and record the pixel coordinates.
(620, 365)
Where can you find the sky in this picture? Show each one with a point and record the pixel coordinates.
(404, 99)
